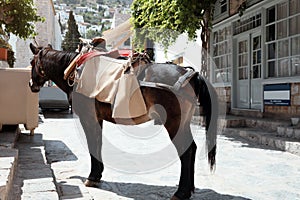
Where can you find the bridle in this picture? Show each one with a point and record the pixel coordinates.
(37, 64)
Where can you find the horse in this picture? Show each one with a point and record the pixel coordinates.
(158, 89)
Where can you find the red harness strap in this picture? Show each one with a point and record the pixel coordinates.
(89, 55)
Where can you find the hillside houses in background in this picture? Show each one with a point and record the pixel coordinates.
(91, 18)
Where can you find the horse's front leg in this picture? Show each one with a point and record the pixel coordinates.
(95, 176)
(85, 108)
(94, 140)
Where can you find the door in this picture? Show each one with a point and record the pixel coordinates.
(249, 89)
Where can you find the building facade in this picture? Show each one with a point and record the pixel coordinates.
(255, 49)
(49, 32)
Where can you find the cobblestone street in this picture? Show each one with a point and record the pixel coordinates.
(244, 170)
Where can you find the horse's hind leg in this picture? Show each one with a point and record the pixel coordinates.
(186, 149)
(192, 172)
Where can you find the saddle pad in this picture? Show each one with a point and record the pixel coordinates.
(100, 79)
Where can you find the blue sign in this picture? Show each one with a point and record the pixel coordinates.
(277, 94)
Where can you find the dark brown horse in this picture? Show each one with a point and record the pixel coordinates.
(178, 108)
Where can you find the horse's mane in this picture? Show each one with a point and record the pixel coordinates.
(55, 57)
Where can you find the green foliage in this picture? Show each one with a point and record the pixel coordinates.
(11, 58)
(19, 17)
(71, 40)
(92, 33)
(164, 20)
(89, 17)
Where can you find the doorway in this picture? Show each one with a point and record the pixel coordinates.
(249, 71)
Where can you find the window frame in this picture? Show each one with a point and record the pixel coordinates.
(221, 50)
(285, 64)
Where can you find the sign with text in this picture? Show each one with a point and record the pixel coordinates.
(277, 94)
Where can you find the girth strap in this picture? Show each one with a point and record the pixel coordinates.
(181, 82)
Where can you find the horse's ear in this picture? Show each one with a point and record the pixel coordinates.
(34, 49)
(50, 46)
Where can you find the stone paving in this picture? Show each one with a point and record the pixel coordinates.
(33, 177)
(8, 159)
(244, 170)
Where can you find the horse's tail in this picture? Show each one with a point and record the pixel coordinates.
(208, 100)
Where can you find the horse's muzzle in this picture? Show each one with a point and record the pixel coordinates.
(34, 88)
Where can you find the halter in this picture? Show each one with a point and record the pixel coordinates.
(39, 68)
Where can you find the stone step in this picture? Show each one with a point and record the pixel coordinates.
(271, 139)
(232, 121)
(229, 121)
(8, 159)
(8, 163)
(289, 132)
(34, 177)
(246, 112)
(266, 124)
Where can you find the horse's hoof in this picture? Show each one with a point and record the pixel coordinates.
(175, 198)
(89, 183)
(179, 195)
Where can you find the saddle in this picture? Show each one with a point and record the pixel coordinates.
(81, 58)
(100, 75)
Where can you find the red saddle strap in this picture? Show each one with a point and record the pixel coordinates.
(89, 55)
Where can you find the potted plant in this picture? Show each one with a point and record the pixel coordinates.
(6, 53)
(3, 49)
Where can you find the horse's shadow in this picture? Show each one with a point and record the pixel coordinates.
(141, 191)
(57, 151)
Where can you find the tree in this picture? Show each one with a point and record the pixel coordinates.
(71, 41)
(92, 34)
(18, 17)
(170, 18)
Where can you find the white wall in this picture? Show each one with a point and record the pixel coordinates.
(189, 50)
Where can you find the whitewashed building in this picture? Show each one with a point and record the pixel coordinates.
(49, 32)
(256, 56)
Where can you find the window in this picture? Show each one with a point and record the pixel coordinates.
(243, 59)
(247, 23)
(127, 42)
(283, 39)
(223, 6)
(222, 55)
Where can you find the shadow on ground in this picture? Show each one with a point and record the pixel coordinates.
(33, 173)
(139, 191)
(248, 143)
(57, 151)
(57, 114)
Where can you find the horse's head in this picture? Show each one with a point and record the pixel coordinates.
(38, 76)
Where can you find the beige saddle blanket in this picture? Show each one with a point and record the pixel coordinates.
(103, 78)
